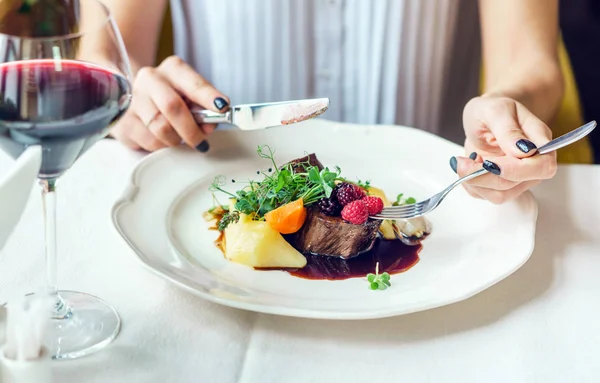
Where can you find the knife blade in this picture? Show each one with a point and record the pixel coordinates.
(264, 115)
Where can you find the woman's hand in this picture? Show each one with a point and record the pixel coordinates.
(502, 135)
(159, 115)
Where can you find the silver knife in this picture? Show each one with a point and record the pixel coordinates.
(265, 115)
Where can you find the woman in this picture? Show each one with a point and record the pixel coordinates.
(408, 62)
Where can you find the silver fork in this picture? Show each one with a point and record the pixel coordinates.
(426, 206)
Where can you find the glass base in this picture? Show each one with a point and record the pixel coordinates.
(88, 324)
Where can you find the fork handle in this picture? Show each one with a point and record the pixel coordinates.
(466, 178)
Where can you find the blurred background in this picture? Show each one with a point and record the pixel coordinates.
(579, 50)
(580, 26)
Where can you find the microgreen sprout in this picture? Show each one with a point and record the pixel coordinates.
(378, 281)
(406, 201)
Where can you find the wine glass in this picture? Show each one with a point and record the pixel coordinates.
(65, 80)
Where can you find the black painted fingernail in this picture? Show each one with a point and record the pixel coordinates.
(491, 167)
(526, 146)
(473, 156)
(203, 146)
(220, 103)
(453, 164)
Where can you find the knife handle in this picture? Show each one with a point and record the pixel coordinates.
(203, 116)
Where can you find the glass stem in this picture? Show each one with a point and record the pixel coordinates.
(49, 205)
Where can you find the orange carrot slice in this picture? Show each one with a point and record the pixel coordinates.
(289, 218)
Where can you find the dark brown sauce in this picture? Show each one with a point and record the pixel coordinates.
(393, 256)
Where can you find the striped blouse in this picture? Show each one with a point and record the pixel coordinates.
(404, 62)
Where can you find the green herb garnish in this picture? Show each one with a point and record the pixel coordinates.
(407, 201)
(284, 185)
(378, 281)
(227, 219)
(365, 185)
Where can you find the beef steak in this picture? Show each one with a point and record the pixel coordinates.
(332, 236)
(298, 163)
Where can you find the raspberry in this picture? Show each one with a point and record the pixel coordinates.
(329, 207)
(346, 193)
(356, 212)
(374, 204)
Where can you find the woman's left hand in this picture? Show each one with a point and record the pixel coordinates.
(502, 135)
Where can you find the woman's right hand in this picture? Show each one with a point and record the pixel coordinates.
(159, 115)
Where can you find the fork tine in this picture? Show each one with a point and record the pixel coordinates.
(394, 217)
(402, 214)
(401, 209)
(395, 213)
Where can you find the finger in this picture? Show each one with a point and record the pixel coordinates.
(143, 106)
(467, 166)
(533, 127)
(153, 120)
(477, 153)
(477, 133)
(500, 117)
(161, 128)
(208, 128)
(195, 87)
(475, 156)
(525, 169)
(173, 108)
(119, 132)
(499, 197)
(142, 136)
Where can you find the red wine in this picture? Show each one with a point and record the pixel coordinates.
(63, 105)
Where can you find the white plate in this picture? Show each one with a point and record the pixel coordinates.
(474, 244)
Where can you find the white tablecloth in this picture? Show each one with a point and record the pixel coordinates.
(539, 325)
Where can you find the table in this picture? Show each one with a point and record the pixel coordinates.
(539, 325)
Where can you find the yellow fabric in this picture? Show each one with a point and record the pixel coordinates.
(569, 115)
(165, 43)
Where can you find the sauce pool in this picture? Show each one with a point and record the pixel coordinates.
(393, 256)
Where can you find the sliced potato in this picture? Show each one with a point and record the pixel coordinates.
(387, 230)
(257, 244)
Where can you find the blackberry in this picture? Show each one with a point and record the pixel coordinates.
(346, 193)
(336, 189)
(329, 207)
